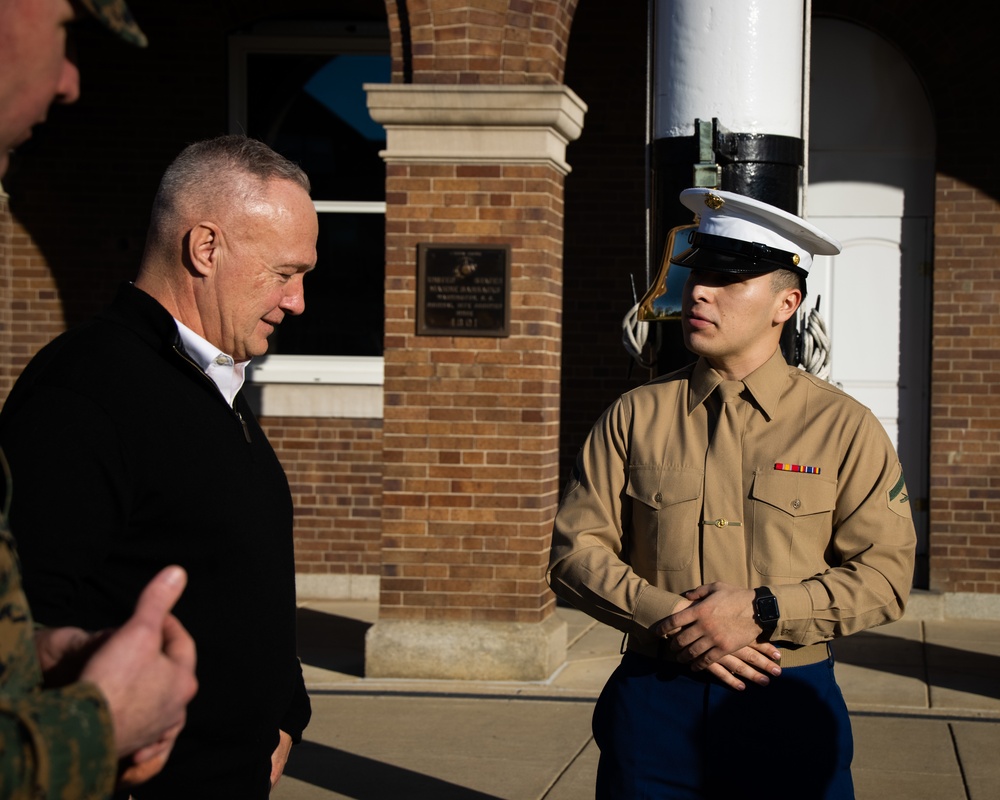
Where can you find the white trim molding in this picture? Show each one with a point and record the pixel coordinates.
(477, 124)
(340, 370)
(331, 387)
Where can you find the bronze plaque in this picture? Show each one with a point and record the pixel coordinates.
(463, 290)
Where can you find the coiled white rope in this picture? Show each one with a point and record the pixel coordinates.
(816, 345)
(635, 332)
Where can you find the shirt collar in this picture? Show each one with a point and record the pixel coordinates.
(225, 373)
(766, 383)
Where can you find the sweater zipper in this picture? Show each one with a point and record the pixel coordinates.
(200, 371)
(243, 422)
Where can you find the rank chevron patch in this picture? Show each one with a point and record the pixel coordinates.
(898, 498)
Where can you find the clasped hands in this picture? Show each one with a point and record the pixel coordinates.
(713, 628)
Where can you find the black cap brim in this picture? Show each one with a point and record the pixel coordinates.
(723, 254)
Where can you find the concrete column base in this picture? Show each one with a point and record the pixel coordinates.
(309, 586)
(929, 604)
(475, 651)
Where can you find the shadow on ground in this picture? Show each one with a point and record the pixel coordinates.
(332, 642)
(363, 778)
(337, 643)
(938, 665)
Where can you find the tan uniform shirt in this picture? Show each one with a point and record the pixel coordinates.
(835, 543)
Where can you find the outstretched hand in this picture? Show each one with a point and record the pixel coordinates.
(146, 671)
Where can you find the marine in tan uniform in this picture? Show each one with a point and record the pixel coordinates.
(79, 713)
(733, 518)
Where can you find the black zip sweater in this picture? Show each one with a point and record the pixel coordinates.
(125, 458)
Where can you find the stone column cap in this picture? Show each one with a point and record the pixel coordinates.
(477, 124)
(553, 106)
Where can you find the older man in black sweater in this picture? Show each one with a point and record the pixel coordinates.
(138, 419)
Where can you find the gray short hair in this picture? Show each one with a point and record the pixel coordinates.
(217, 171)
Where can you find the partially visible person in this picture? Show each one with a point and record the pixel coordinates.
(36, 70)
(80, 712)
(139, 416)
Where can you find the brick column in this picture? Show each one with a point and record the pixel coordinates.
(471, 424)
(965, 417)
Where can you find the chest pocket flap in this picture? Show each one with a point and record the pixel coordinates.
(792, 523)
(797, 494)
(658, 486)
(666, 505)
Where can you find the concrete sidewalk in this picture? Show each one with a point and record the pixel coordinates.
(924, 697)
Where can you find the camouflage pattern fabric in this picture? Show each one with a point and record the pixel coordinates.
(116, 16)
(54, 743)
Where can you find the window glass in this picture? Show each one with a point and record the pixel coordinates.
(311, 107)
(344, 294)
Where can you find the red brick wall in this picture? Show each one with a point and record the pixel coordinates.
(965, 404)
(35, 304)
(471, 423)
(334, 468)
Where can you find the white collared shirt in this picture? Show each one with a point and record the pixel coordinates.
(225, 373)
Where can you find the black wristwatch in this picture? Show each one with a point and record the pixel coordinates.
(765, 608)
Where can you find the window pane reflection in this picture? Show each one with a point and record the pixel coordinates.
(311, 109)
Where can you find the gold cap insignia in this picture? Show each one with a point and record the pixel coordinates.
(714, 202)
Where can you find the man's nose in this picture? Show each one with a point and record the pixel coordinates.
(68, 88)
(294, 301)
(694, 286)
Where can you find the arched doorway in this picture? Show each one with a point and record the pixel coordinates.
(871, 185)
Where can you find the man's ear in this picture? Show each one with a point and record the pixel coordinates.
(203, 242)
(789, 301)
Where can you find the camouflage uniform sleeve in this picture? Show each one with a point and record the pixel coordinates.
(54, 743)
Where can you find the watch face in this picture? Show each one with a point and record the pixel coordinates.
(767, 608)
